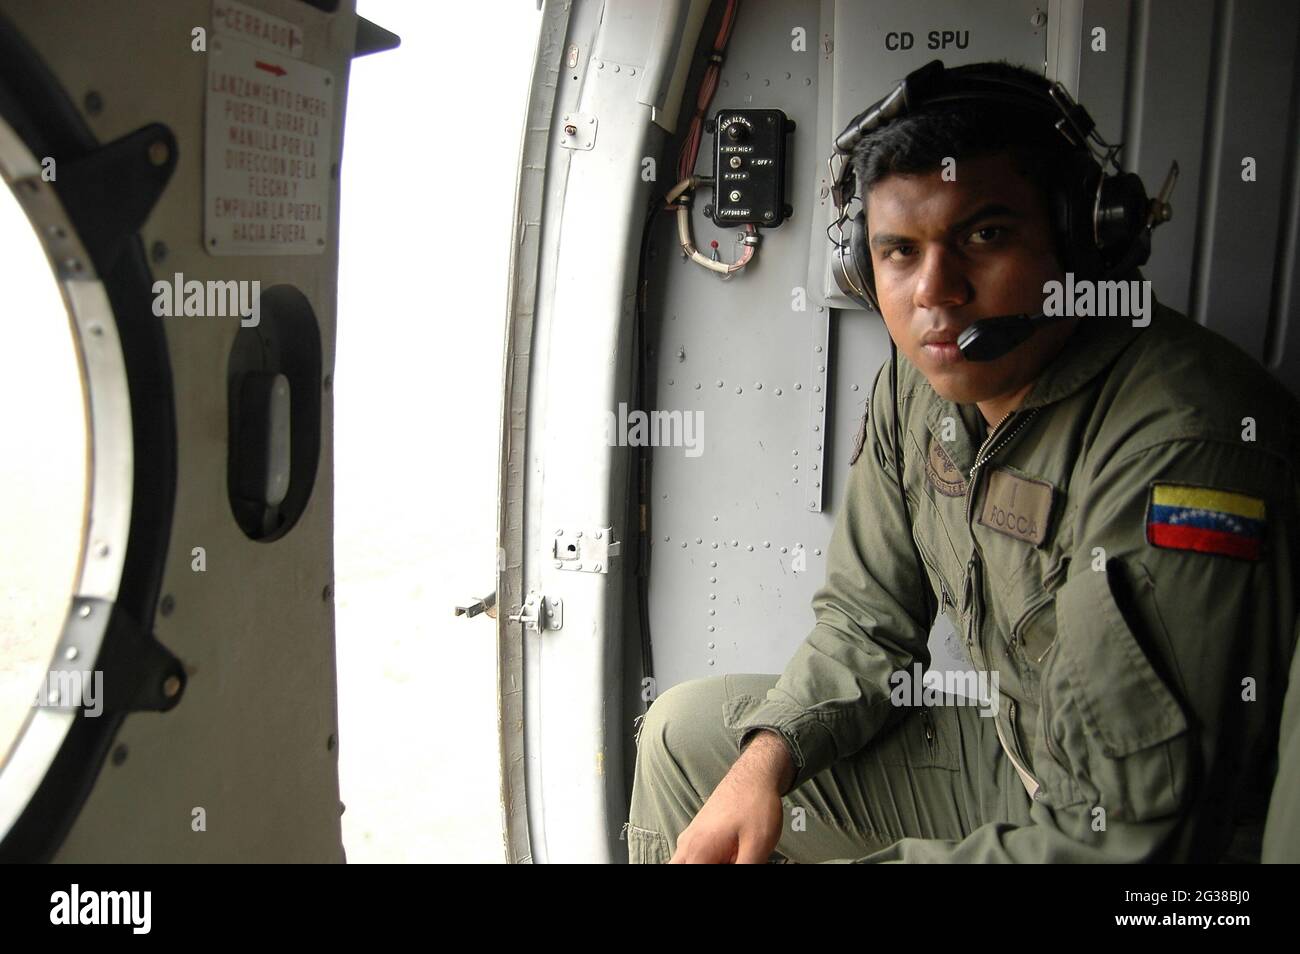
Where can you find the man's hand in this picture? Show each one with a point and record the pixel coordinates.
(741, 821)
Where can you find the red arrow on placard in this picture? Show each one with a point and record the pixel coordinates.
(270, 67)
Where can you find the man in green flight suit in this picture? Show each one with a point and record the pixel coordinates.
(1107, 514)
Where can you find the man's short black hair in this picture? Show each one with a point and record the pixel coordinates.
(919, 142)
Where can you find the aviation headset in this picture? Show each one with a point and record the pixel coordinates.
(1101, 222)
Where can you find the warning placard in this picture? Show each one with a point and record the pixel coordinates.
(267, 152)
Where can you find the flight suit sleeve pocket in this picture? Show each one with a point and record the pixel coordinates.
(1109, 718)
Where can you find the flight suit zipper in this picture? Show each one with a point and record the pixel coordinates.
(991, 445)
(1031, 784)
(973, 566)
(982, 457)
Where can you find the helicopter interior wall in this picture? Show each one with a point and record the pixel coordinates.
(740, 527)
(1214, 86)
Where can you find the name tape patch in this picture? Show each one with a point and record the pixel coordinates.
(1017, 506)
(1183, 517)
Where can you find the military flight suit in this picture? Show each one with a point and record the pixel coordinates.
(1121, 550)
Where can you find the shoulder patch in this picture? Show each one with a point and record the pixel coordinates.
(943, 474)
(1206, 520)
(860, 440)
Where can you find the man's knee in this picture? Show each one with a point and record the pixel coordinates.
(677, 717)
(682, 754)
(691, 731)
(684, 748)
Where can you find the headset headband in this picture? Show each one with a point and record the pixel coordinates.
(931, 84)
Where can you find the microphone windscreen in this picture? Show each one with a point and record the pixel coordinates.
(991, 338)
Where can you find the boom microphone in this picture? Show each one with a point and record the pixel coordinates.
(991, 338)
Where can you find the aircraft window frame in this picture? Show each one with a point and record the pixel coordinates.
(109, 476)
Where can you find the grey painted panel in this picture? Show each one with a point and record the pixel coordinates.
(1169, 84)
(745, 333)
(1284, 340)
(1242, 218)
(1102, 73)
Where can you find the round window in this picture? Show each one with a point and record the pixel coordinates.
(43, 471)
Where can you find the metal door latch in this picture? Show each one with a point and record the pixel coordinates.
(487, 604)
(539, 613)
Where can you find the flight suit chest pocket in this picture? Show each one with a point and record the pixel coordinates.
(1032, 636)
(1113, 734)
(938, 515)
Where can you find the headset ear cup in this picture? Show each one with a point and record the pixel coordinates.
(1072, 207)
(1121, 220)
(861, 257)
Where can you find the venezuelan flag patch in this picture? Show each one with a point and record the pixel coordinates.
(1183, 517)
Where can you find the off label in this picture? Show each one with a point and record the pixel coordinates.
(267, 152)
